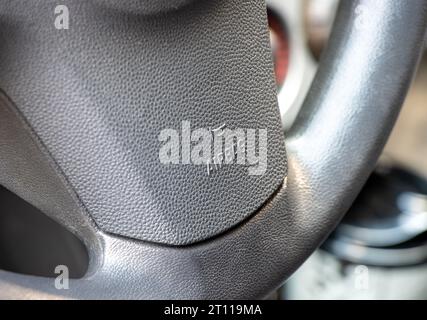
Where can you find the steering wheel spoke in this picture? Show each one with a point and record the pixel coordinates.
(82, 113)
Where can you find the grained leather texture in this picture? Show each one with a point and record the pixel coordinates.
(354, 101)
(99, 94)
(146, 7)
(26, 170)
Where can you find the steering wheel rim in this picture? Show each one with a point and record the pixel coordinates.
(349, 112)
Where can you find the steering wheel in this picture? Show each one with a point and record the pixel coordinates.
(83, 108)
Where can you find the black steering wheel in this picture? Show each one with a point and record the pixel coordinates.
(82, 110)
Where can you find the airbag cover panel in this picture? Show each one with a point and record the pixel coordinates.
(99, 94)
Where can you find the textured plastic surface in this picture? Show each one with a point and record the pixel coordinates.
(355, 99)
(98, 95)
(146, 7)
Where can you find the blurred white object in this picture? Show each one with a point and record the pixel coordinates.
(302, 66)
(324, 277)
(319, 18)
